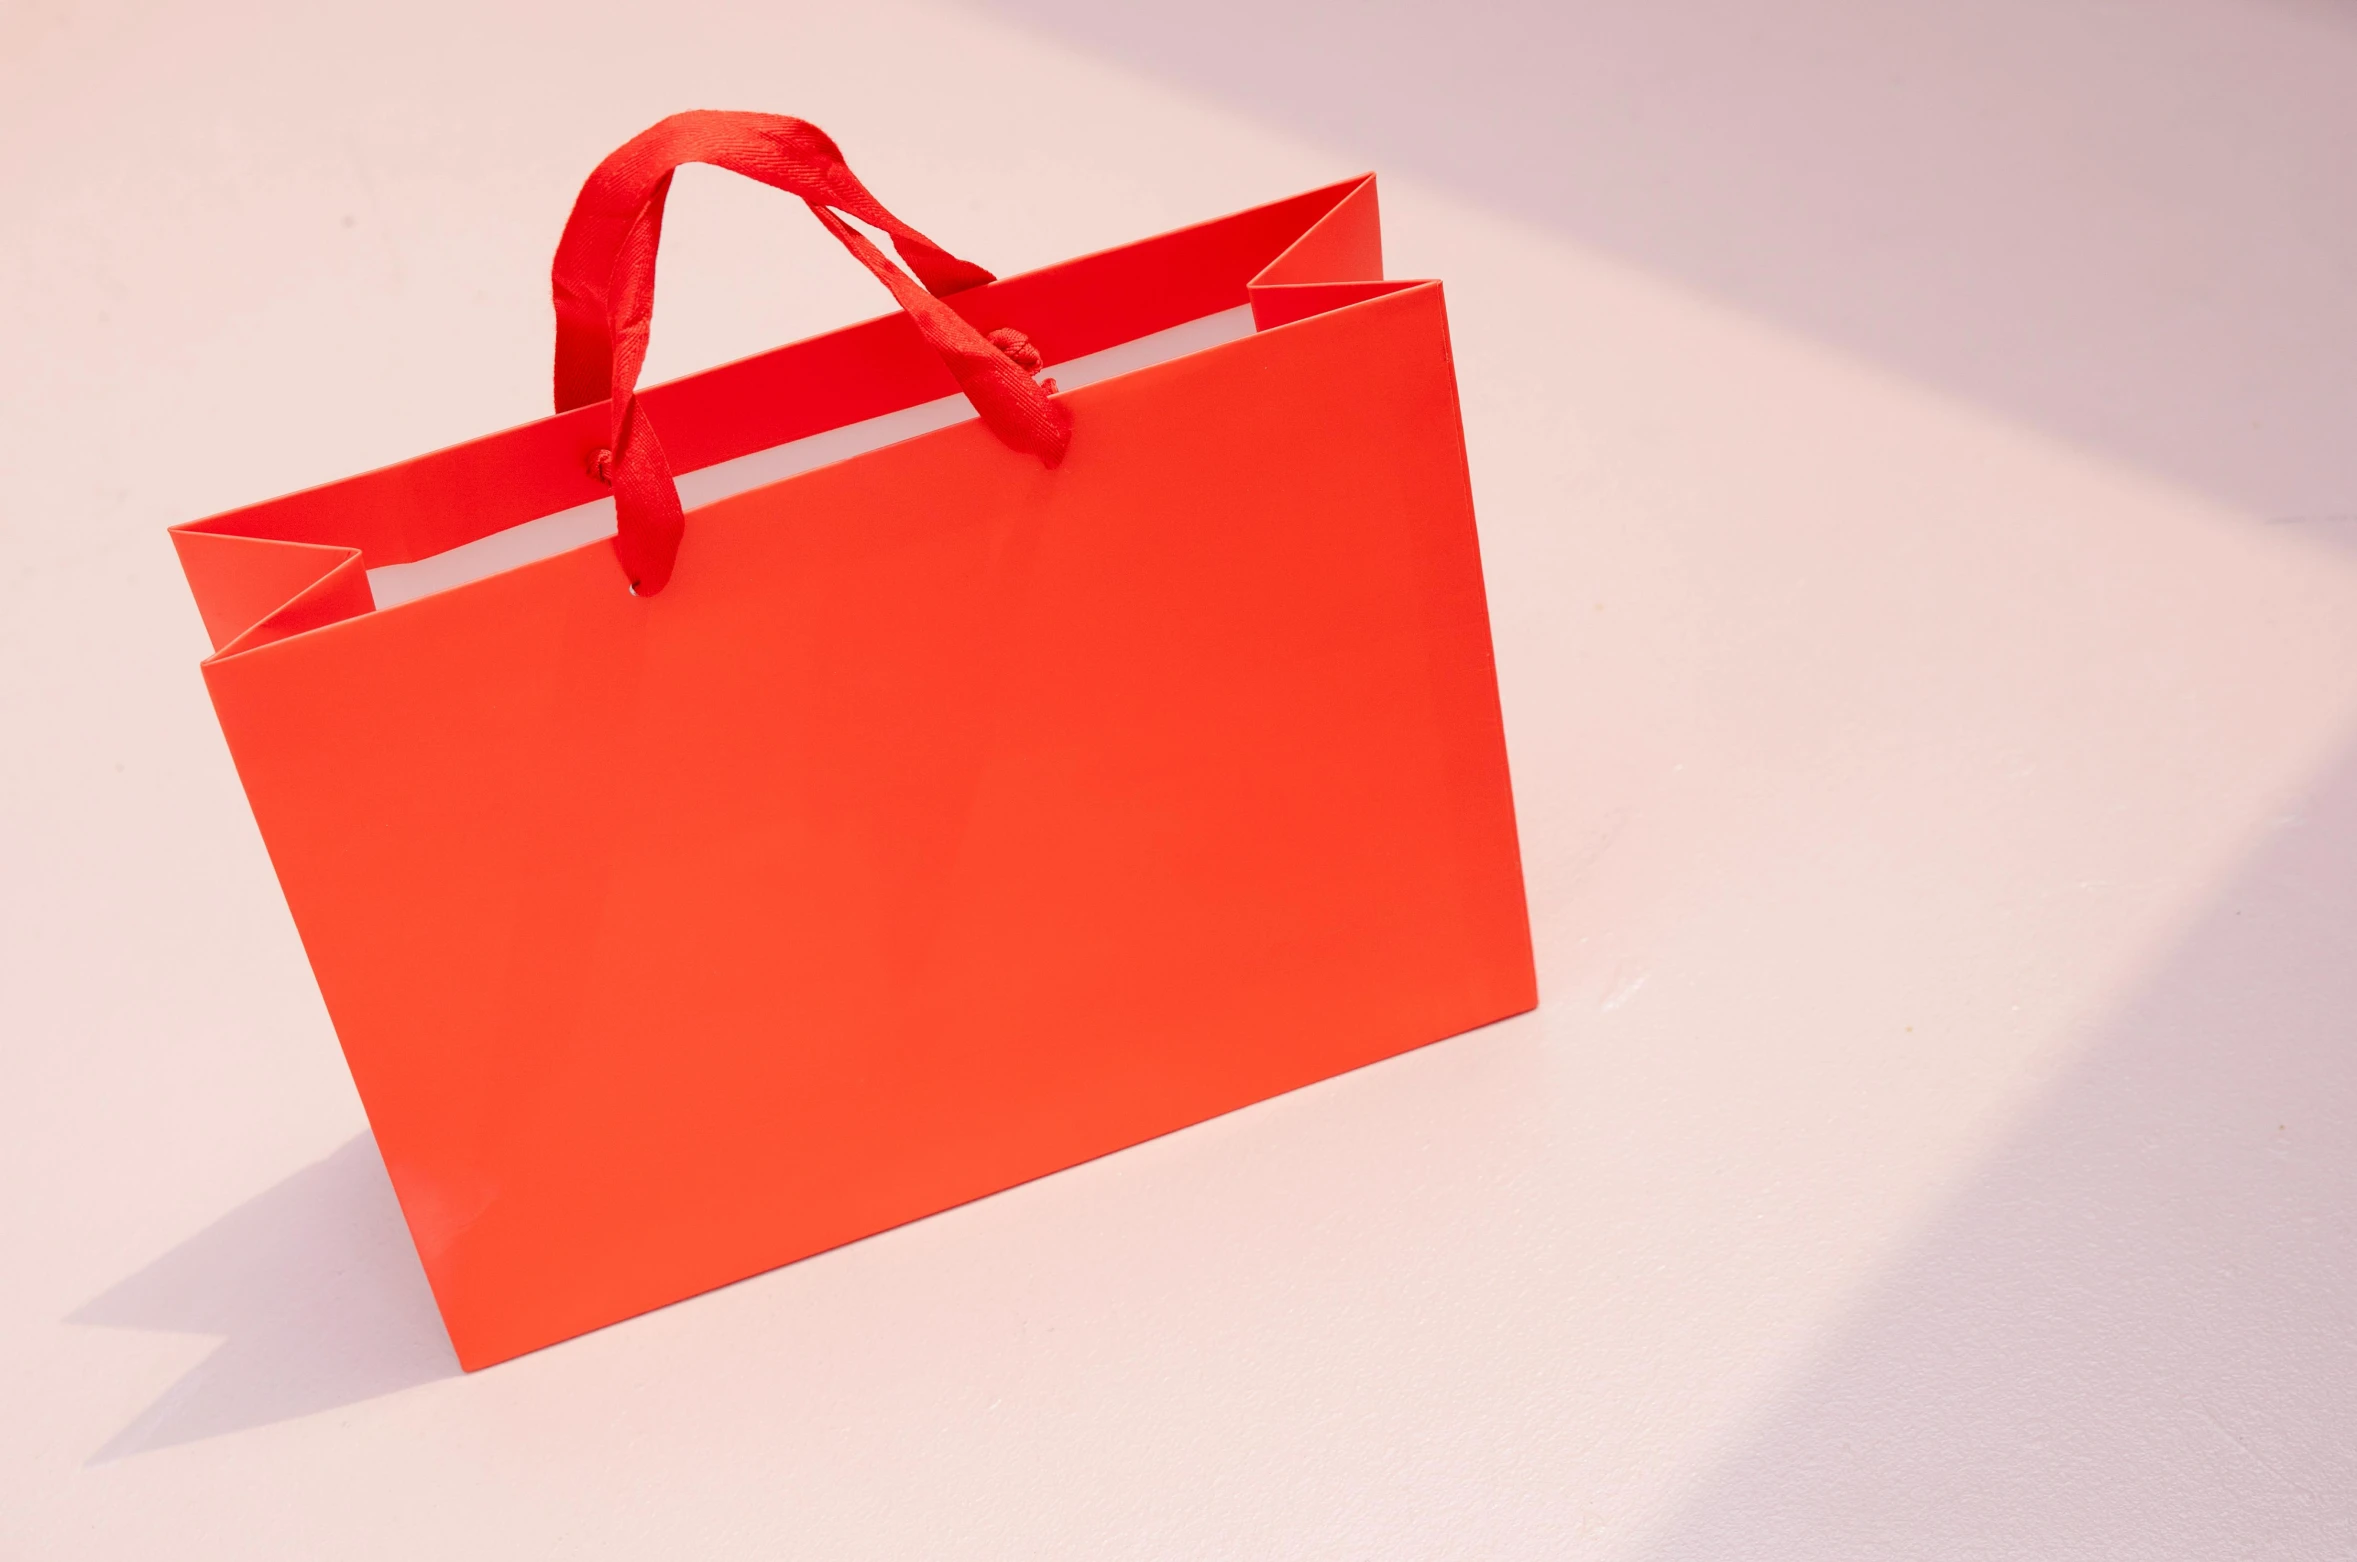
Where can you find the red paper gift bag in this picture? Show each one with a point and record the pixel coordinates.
(786, 868)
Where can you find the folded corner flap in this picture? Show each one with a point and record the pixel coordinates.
(253, 590)
(1337, 261)
(1286, 302)
(1345, 245)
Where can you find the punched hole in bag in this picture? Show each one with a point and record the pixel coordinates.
(603, 286)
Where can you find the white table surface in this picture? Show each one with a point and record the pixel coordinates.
(1916, 450)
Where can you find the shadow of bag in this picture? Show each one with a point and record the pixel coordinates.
(1102, 759)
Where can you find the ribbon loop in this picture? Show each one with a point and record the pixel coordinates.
(603, 277)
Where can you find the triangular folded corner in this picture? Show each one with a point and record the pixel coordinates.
(1338, 261)
(1287, 302)
(1345, 245)
(253, 590)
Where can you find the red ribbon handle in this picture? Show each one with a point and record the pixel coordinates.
(604, 283)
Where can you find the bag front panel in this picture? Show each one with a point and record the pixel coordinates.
(946, 822)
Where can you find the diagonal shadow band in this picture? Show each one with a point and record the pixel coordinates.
(315, 1292)
(2133, 1332)
(2122, 225)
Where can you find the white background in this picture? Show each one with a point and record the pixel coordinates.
(1916, 450)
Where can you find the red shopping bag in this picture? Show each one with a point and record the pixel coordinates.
(886, 835)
